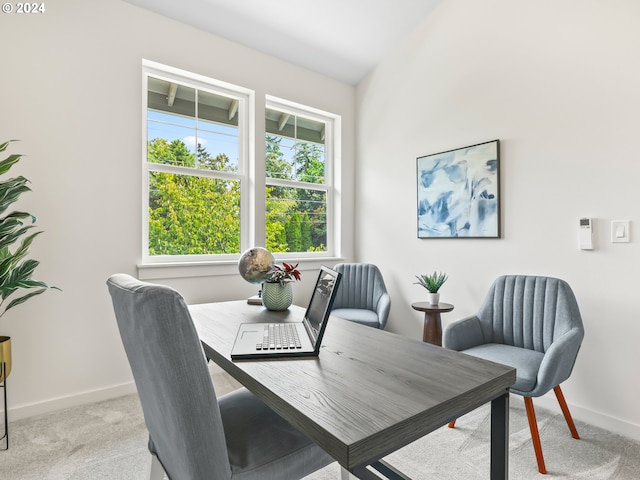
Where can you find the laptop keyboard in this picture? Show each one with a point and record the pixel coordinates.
(279, 336)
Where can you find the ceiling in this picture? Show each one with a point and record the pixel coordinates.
(343, 39)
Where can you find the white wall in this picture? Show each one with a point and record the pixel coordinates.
(71, 90)
(557, 83)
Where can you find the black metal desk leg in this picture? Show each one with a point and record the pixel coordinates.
(500, 437)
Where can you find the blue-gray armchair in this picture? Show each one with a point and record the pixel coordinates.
(533, 324)
(362, 295)
(192, 434)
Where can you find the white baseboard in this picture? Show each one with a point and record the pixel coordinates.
(60, 403)
(548, 401)
(83, 398)
(597, 419)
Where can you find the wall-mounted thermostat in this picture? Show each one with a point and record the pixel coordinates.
(586, 233)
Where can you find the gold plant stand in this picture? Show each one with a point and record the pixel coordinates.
(5, 370)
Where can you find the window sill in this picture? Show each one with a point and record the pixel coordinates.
(155, 271)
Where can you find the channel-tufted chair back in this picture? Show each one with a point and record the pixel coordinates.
(534, 325)
(362, 295)
(529, 311)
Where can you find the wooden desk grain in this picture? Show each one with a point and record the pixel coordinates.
(368, 393)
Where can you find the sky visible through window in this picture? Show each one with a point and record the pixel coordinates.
(213, 137)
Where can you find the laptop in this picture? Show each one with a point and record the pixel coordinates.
(299, 339)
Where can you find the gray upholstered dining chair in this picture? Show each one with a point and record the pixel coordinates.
(362, 295)
(531, 323)
(192, 434)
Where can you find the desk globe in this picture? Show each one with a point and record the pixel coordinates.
(255, 264)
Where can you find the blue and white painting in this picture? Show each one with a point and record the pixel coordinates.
(458, 193)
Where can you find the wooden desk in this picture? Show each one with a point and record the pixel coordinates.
(369, 392)
(432, 330)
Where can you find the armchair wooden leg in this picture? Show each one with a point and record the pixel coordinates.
(535, 435)
(533, 425)
(565, 411)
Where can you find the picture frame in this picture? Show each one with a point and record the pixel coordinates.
(459, 192)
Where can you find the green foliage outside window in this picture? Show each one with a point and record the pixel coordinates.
(196, 215)
(296, 216)
(191, 215)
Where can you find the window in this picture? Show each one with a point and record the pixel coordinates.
(200, 200)
(299, 183)
(195, 167)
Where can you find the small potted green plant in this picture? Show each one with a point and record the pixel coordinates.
(277, 293)
(432, 283)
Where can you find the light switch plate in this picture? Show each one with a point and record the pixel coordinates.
(620, 231)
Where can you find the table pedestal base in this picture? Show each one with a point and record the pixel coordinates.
(432, 330)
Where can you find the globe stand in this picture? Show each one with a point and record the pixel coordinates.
(256, 299)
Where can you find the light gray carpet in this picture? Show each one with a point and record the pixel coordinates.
(107, 440)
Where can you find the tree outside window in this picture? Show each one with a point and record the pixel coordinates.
(193, 171)
(196, 167)
(296, 183)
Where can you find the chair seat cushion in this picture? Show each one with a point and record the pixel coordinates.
(262, 445)
(526, 362)
(358, 315)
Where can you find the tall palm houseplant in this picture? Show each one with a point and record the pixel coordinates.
(16, 237)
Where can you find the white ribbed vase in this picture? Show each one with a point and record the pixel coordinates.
(276, 296)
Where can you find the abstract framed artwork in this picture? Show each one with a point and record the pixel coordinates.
(459, 192)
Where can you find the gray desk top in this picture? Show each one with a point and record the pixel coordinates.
(368, 393)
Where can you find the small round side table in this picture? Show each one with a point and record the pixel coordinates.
(432, 332)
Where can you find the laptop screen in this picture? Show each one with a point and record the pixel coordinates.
(321, 302)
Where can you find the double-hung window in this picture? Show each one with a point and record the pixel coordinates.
(202, 201)
(195, 167)
(299, 161)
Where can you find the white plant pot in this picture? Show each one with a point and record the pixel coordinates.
(434, 298)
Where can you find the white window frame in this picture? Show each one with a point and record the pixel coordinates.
(246, 114)
(252, 205)
(332, 149)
